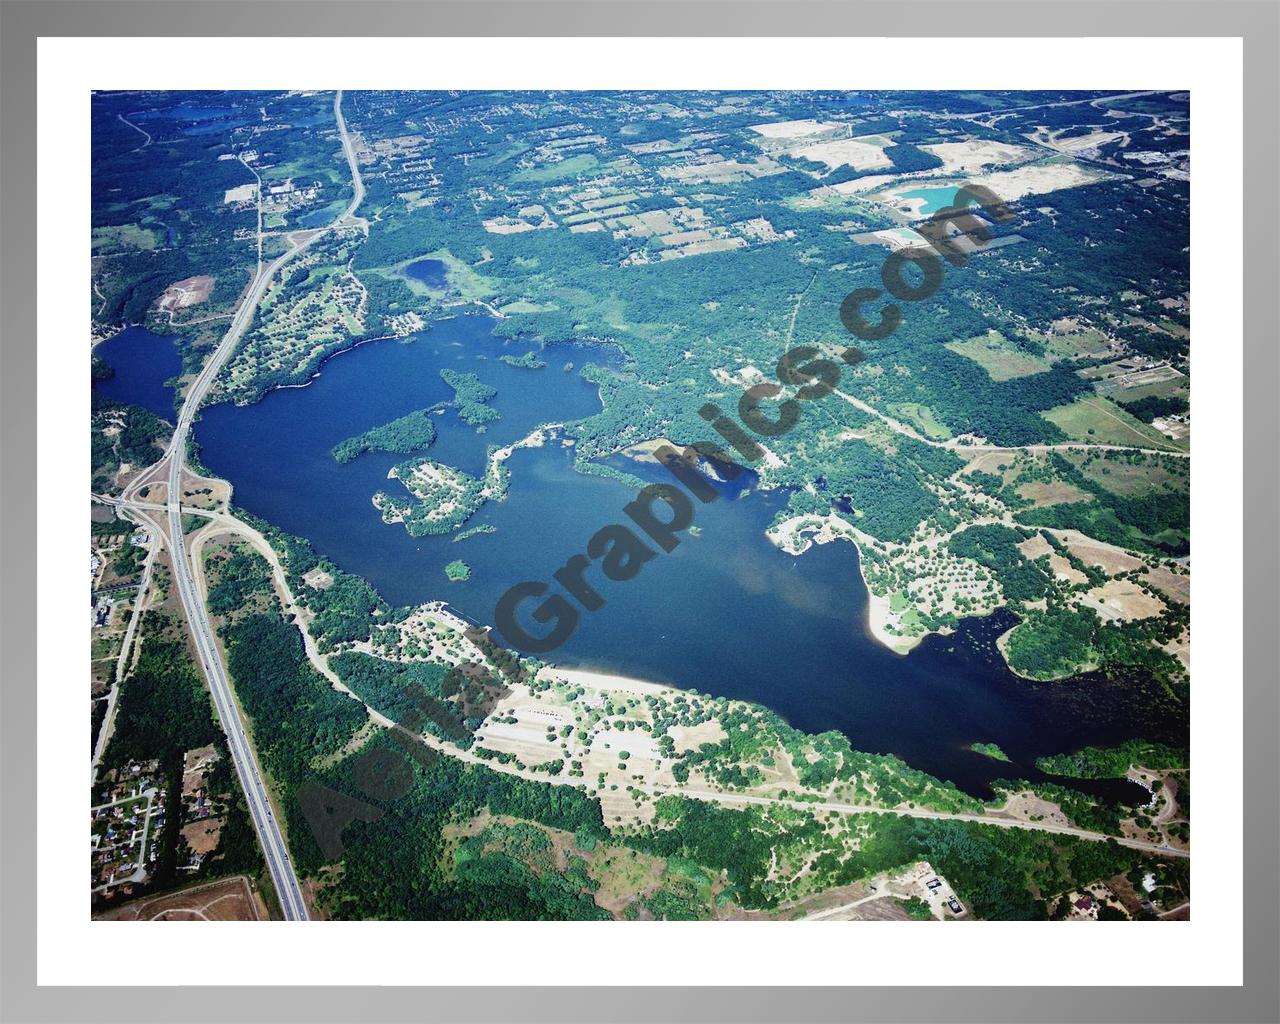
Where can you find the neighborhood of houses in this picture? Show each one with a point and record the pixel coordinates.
(124, 827)
(128, 825)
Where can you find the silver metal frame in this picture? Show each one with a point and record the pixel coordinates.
(21, 23)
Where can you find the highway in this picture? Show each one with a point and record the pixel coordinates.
(270, 836)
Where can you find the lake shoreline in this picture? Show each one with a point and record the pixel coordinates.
(730, 611)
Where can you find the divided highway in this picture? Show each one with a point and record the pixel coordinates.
(270, 836)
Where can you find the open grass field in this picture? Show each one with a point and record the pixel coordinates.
(922, 417)
(1103, 422)
(524, 306)
(571, 167)
(464, 280)
(1001, 358)
(1054, 492)
(120, 237)
(1132, 477)
(1161, 381)
(1070, 340)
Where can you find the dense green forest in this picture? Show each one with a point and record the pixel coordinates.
(991, 750)
(1064, 639)
(471, 397)
(123, 434)
(240, 576)
(297, 717)
(528, 361)
(163, 712)
(346, 610)
(410, 433)
(996, 871)
(1151, 407)
(996, 547)
(1158, 520)
(1113, 762)
(400, 690)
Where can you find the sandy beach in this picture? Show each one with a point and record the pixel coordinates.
(603, 681)
(788, 536)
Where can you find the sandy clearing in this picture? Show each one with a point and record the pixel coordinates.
(1123, 600)
(1065, 571)
(635, 742)
(856, 153)
(230, 899)
(1037, 179)
(527, 737)
(1010, 186)
(795, 129)
(202, 836)
(691, 737)
(241, 193)
(507, 226)
(1076, 143)
(977, 154)
(1027, 806)
(1174, 585)
(894, 239)
(317, 579)
(1107, 557)
(190, 291)
(1035, 546)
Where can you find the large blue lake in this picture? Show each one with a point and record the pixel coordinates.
(725, 613)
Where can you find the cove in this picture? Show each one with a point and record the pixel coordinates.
(725, 613)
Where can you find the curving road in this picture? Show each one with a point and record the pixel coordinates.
(270, 836)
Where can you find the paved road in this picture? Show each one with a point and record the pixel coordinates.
(122, 663)
(955, 444)
(270, 836)
(916, 812)
(1094, 101)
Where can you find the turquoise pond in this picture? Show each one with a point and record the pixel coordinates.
(935, 198)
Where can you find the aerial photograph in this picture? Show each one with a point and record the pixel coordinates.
(639, 506)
